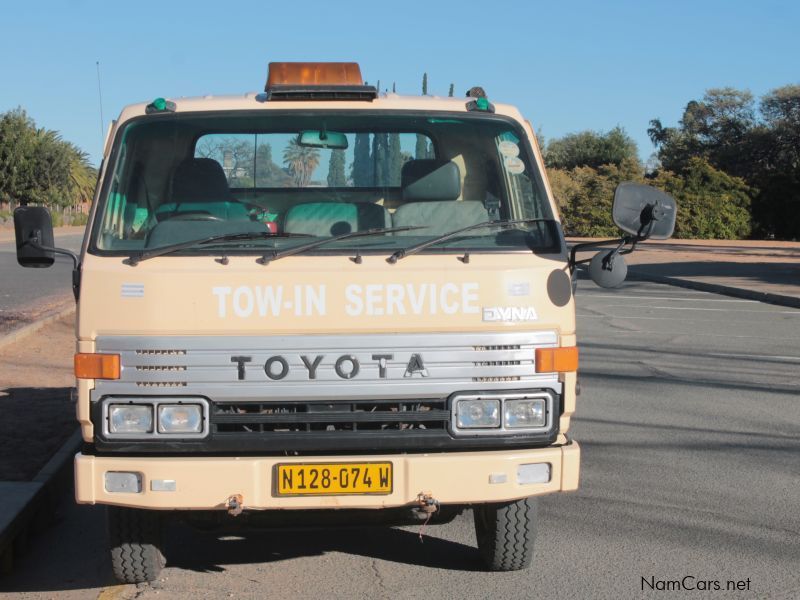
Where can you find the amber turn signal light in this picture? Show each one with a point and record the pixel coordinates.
(97, 366)
(557, 360)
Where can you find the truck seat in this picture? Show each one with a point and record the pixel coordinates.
(199, 185)
(431, 188)
(335, 218)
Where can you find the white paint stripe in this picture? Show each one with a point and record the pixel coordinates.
(727, 310)
(671, 298)
(755, 356)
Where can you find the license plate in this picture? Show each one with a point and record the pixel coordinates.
(318, 479)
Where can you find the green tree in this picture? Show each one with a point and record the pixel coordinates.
(380, 159)
(362, 167)
(336, 176)
(716, 128)
(268, 173)
(590, 149)
(395, 162)
(300, 161)
(584, 196)
(37, 166)
(711, 203)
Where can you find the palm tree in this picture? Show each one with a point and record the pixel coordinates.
(82, 176)
(300, 162)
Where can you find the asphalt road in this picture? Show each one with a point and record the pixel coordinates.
(689, 421)
(22, 289)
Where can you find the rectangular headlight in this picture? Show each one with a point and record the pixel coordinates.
(478, 413)
(180, 418)
(130, 418)
(525, 413)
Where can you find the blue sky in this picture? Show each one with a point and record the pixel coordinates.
(568, 66)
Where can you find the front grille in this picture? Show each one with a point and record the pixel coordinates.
(316, 417)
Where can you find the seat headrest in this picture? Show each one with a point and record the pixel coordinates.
(430, 179)
(200, 180)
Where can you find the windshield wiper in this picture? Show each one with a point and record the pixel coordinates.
(276, 254)
(225, 237)
(403, 252)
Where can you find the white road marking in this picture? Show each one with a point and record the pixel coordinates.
(671, 298)
(768, 312)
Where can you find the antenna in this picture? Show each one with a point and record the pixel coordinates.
(100, 95)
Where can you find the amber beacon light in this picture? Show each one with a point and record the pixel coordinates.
(317, 81)
(97, 366)
(556, 360)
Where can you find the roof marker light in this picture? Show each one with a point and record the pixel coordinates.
(160, 105)
(479, 101)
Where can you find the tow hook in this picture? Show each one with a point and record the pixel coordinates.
(235, 505)
(427, 505)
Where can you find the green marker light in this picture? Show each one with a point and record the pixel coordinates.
(482, 104)
(160, 104)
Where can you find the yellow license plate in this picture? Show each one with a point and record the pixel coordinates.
(317, 479)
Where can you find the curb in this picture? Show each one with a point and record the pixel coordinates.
(38, 509)
(31, 328)
(766, 297)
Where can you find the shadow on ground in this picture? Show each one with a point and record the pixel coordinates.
(35, 423)
(772, 273)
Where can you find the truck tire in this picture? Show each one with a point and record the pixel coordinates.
(506, 534)
(135, 541)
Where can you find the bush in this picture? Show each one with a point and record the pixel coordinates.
(584, 196)
(711, 203)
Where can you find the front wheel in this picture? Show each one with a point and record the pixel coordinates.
(135, 539)
(506, 534)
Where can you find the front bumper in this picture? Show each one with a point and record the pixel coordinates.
(205, 483)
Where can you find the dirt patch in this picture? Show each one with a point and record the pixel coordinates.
(15, 319)
(37, 413)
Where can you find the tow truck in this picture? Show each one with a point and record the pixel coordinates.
(320, 303)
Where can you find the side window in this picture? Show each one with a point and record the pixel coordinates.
(272, 160)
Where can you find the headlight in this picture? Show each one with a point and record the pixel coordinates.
(471, 414)
(130, 418)
(503, 413)
(524, 413)
(151, 417)
(180, 418)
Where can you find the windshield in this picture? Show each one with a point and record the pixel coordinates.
(179, 178)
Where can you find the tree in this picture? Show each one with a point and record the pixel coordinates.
(715, 128)
(37, 166)
(711, 203)
(300, 161)
(395, 162)
(236, 155)
(336, 176)
(591, 149)
(760, 147)
(380, 159)
(268, 173)
(362, 168)
(584, 196)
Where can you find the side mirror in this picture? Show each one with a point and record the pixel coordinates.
(34, 231)
(644, 211)
(608, 269)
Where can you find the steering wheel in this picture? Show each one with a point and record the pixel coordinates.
(192, 215)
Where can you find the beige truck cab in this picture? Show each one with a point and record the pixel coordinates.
(323, 302)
